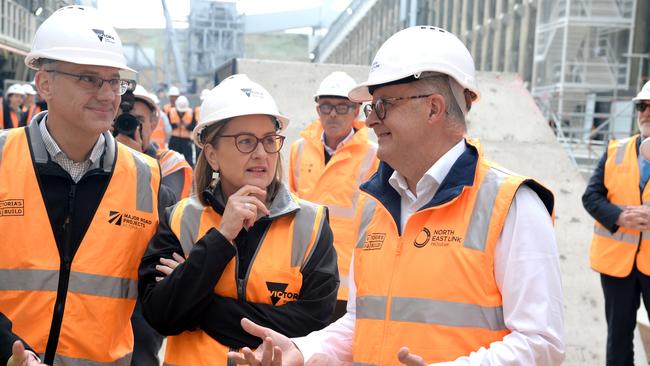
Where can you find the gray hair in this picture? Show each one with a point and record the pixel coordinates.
(440, 83)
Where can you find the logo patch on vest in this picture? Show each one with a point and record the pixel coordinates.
(278, 292)
(437, 238)
(127, 220)
(12, 208)
(374, 241)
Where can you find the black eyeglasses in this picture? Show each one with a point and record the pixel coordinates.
(94, 83)
(641, 106)
(340, 109)
(247, 142)
(379, 105)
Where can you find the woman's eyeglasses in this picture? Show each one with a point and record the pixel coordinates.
(247, 142)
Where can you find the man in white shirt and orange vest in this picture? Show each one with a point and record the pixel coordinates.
(181, 118)
(457, 262)
(78, 208)
(329, 162)
(618, 198)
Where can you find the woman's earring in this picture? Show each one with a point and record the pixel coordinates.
(215, 178)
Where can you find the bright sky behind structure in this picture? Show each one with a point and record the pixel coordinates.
(149, 13)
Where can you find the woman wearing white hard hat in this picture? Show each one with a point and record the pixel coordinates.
(249, 247)
(10, 111)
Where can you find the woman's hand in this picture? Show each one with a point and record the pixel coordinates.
(243, 208)
(168, 266)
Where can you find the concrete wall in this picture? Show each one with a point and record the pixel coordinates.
(513, 133)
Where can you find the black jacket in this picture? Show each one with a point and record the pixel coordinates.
(186, 300)
(595, 197)
(7, 339)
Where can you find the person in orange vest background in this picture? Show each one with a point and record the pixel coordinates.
(172, 94)
(163, 131)
(457, 261)
(78, 207)
(329, 162)
(252, 248)
(182, 120)
(10, 107)
(617, 197)
(31, 106)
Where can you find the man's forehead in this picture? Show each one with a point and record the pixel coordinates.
(89, 69)
(391, 90)
(333, 100)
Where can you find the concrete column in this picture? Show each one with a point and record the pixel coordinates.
(455, 18)
(498, 31)
(510, 29)
(524, 39)
(475, 36)
(485, 36)
(464, 27)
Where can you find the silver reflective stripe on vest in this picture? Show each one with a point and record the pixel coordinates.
(363, 364)
(83, 283)
(69, 361)
(303, 224)
(143, 194)
(366, 216)
(618, 236)
(371, 307)
(620, 151)
(448, 313)
(479, 224)
(296, 167)
(190, 222)
(367, 161)
(3, 139)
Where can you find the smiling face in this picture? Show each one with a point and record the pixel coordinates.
(237, 169)
(82, 111)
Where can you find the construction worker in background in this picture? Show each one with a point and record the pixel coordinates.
(329, 162)
(176, 171)
(163, 131)
(78, 207)
(457, 260)
(252, 248)
(172, 94)
(10, 111)
(30, 107)
(182, 121)
(197, 109)
(617, 198)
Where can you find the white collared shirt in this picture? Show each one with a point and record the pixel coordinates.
(526, 270)
(75, 169)
(331, 151)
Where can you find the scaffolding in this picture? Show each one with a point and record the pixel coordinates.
(581, 76)
(216, 34)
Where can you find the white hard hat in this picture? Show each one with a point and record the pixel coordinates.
(182, 104)
(337, 84)
(414, 50)
(173, 92)
(644, 94)
(29, 89)
(143, 95)
(80, 35)
(155, 99)
(204, 93)
(16, 89)
(236, 96)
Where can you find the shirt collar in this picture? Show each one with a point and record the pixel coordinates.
(430, 181)
(54, 150)
(345, 140)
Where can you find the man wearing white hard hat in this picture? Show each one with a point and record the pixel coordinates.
(328, 163)
(457, 261)
(78, 207)
(182, 120)
(10, 111)
(172, 94)
(617, 198)
(31, 106)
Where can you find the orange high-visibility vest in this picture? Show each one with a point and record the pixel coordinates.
(166, 108)
(614, 254)
(335, 185)
(171, 162)
(180, 130)
(197, 112)
(102, 285)
(14, 117)
(286, 247)
(432, 288)
(31, 112)
(158, 135)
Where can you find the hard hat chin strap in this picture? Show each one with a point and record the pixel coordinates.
(459, 94)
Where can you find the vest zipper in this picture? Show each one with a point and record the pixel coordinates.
(241, 293)
(62, 289)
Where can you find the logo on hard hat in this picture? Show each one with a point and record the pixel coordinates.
(250, 92)
(374, 66)
(104, 37)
